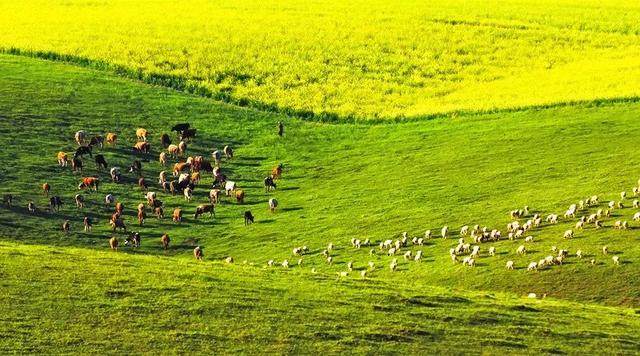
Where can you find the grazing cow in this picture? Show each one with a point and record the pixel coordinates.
(55, 203)
(188, 194)
(136, 167)
(133, 239)
(88, 225)
(101, 163)
(112, 138)
(89, 182)
(113, 242)
(46, 188)
(197, 253)
(142, 183)
(80, 137)
(173, 151)
(97, 141)
(83, 150)
(166, 186)
(269, 184)
(63, 159)
(177, 215)
(117, 223)
(187, 134)
(142, 147)
(240, 196)
(217, 156)
(163, 158)
(276, 173)
(66, 226)
(32, 207)
(214, 196)
(76, 164)
(248, 218)
(115, 174)
(7, 199)
(205, 208)
(195, 177)
(165, 241)
(119, 208)
(162, 177)
(182, 148)
(108, 200)
(178, 128)
(79, 201)
(273, 204)
(151, 197)
(165, 140)
(159, 212)
(142, 134)
(180, 167)
(205, 166)
(141, 216)
(228, 152)
(229, 187)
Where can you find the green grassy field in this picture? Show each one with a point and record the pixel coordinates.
(362, 59)
(340, 181)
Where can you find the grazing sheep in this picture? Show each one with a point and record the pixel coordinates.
(418, 256)
(285, 263)
(330, 247)
(270, 263)
(197, 253)
(623, 195)
(616, 260)
(598, 224)
(299, 261)
(521, 250)
(329, 260)
(612, 204)
(393, 265)
(509, 265)
(605, 250)
(342, 274)
(113, 243)
(350, 266)
(297, 251)
(528, 239)
(363, 273)
(568, 234)
(533, 266)
(454, 258)
(407, 255)
(427, 234)
(444, 231)
(392, 251)
(552, 218)
(579, 225)
(593, 261)
(636, 216)
(579, 253)
(464, 230)
(554, 249)
(471, 262)
(492, 251)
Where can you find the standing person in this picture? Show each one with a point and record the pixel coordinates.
(280, 128)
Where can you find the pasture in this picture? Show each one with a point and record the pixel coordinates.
(397, 120)
(361, 60)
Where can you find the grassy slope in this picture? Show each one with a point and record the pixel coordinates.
(361, 58)
(341, 181)
(77, 300)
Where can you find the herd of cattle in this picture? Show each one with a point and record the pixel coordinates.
(183, 179)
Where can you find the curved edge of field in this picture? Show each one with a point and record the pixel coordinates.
(189, 86)
(65, 300)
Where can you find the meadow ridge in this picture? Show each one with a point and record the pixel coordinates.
(362, 60)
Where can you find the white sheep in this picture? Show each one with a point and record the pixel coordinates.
(350, 266)
(329, 260)
(392, 251)
(636, 203)
(552, 218)
(636, 191)
(509, 265)
(418, 256)
(471, 262)
(464, 230)
(454, 258)
(568, 234)
(407, 255)
(427, 234)
(444, 231)
(371, 265)
(623, 195)
(579, 225)
(636, 216)
(616, 260)
(492, 251)
(393, 265)
(297, 251)
(363, 273)
(605, 250)
(521, 250)
(579, 253)
(612, 204)
(420, 242)
(528, 238)
(270, 263)
(598, 224)
(330, 247)
(533, 266)
(285, 264)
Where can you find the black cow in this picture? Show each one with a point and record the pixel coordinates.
(83, 150)
(55, 203)
(269, 184)
(248, 218)
(187, 134)
(180, 127)
(7, 199)
(136, 167)
(101, 162)
(166, 141)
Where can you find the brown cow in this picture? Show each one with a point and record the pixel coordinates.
(195, 177)
(240, 196)
(87, 224)
(177, 215)
(113, 242)
(182, 148)
(142, 183)
(205, 208)
(141, 216)
(276, 173)
(89, 182)
(142, 134)
(112, 138)
(66, 226)
(214, 196)
(143, 147)
(46, 188)
(165, 241)
(76, 164)
(159, 212)
(63, 159)
(119, 208)
(180, 167)
(118, 223)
